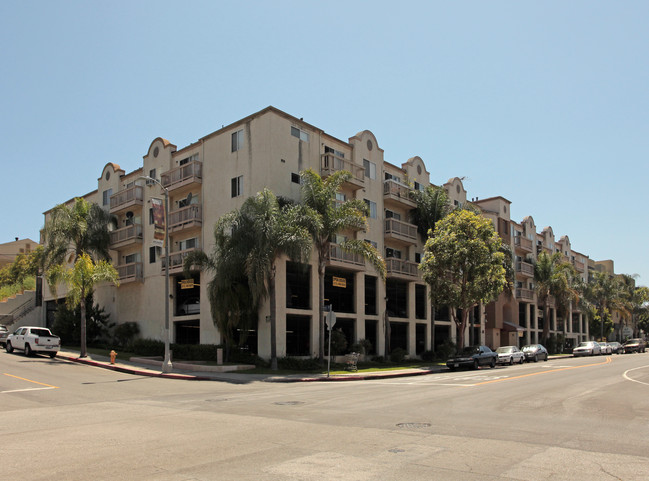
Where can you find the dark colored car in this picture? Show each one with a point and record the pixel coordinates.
(4, 332)
(634, 345)
(473, 357)
(535, 352)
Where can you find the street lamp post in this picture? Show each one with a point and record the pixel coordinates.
(166, 364)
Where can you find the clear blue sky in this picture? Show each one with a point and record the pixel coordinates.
(545, 103)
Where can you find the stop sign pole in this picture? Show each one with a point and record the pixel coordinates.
(330, 319)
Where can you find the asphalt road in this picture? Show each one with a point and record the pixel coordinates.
(568, 419)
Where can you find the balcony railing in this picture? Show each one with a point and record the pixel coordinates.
(523, 243)
(336, 254)
(189, 173)
(130, 272)
(525, 269)
(397, 192)
(580, 266)
(127, 198)
(185, 217)
(126, 235)
(401, 267)
(176, 260)
(331, 163)
(400, 230)
(525, 294)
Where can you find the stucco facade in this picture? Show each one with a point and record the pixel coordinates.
(217, 173)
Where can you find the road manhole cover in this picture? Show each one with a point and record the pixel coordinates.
(413, 425)
(288, 403)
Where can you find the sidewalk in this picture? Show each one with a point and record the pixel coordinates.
(152, 368)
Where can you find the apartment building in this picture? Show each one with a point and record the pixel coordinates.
(10, 250)
(218, 172)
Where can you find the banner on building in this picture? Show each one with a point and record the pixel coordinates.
(158, 222)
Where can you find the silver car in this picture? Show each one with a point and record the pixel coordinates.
(587, 348)
(605, 348)
(510, 355)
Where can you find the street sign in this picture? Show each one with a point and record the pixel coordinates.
(187, 283)
(330, 319)
(339, 282)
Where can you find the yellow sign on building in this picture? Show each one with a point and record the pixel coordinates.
(339, 282)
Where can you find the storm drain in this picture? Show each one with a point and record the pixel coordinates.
(288, 403)
(413, 425)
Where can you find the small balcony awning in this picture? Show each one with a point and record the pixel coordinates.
(509, 327)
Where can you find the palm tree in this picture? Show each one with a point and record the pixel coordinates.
(432, 206)
(327, 218)
(554, 278)
(607, 292)
(254, 238)
(80, 281)
(72, 232)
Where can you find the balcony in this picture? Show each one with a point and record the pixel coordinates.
(400, 232)
(524, 294)
(523, 243)
(126, 199)
(402, 269)
(397, 194)
(580, 266)
(185, 218)
(126, 236)
(176, 261)
(525, 269)
(340, 258)
(331, 163)
(130, 272)
(189, 174)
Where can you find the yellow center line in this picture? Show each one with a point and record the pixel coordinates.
(608, 360)
(29, 380)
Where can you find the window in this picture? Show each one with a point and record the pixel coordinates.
(295, 178)
(152, 175)
(390, 252)
(106, 196)
(300, 134)
(337, 153)
(389, 176)
(237, 140)
(152, 256)
(188, 244)
(371, 207)
(418, 257)
(189, 159)
(151, 220)
(372, 243)
(392, 215)
(370, 295)
(420, 301)
(237, 186)
(419, 186)
(370, 169)
(132, 258)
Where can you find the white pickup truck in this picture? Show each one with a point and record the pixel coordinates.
(33, 340)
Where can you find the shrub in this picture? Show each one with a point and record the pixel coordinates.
(398, 354)
(125, 333)
(379, 359)
(67, 323)
(427, 356)
(338, 342)
(295, 364)
(146, 347)
(363, 346)
(446, 350)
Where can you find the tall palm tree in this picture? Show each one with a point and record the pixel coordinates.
(554, 278)
(328, 218)
(607, 293)
(254, 238)
(71, 232)
(432, 206)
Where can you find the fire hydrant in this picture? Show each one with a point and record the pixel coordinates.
(113, 355)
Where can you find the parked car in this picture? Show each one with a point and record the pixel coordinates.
(634, 345)
(4, 332)
(473, 357)
(535, 352)
(616, 347)
(31, 340)
(605, 348)
(510, 355)
(191, 305)
(587, 348)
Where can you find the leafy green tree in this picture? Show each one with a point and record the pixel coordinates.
(80, 280)
(325, 218)
(68, 327)
(249, 242)
(554, 278)
(463, 265)
(606, 293)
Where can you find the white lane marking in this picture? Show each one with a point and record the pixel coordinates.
(625, 375)
(25, 390)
